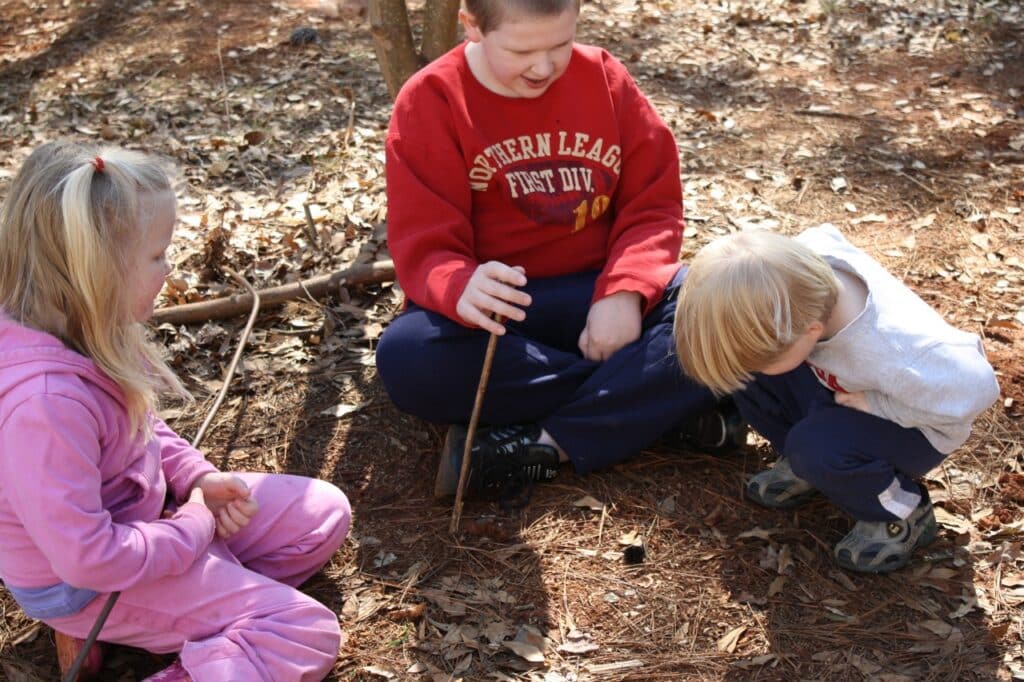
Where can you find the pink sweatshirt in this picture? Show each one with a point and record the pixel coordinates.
(80, 499)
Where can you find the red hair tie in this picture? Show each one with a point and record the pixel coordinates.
(97, 163)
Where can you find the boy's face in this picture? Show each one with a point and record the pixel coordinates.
(524, 55)
(797, 352)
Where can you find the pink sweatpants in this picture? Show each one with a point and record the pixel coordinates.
(235, 613)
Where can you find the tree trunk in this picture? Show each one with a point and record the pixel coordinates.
(440, 24)
(392, 40)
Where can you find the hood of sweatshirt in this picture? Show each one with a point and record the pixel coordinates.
(26, 353)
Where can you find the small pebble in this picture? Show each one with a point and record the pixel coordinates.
(304, 36)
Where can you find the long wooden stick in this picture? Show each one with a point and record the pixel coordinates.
(467, 451)
(76, 665)
(236, 304)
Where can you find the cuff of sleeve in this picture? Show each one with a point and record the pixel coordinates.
(456, 285)
(650, 294)
(199, 519)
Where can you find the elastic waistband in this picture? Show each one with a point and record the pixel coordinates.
(53, 601)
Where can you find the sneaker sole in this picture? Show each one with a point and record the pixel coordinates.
(789, 503)
(447, 482)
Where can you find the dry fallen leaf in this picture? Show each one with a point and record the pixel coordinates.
(578, 643)
(729, 640)
(755, 662)
(341, 409)
(588, 502)
(785, 560)
(378, 671)
(923, 222)
(523, 650)
(864, 665)
(413, 612)
(631, 538)
(759, 533)
(939, 627)
(952, 521)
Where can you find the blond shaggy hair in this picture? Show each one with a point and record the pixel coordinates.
(68, 231)
(746, 298)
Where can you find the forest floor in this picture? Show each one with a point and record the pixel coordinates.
(900, 122)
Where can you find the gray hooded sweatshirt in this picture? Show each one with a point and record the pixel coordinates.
(913, 367)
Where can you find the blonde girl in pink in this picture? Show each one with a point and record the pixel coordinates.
(86, 466)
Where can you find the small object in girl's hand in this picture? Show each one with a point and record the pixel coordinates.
(634, 554)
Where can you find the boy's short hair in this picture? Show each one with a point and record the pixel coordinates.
(745, 300)
(490, 13)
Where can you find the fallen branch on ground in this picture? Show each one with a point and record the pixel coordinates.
(317, 287)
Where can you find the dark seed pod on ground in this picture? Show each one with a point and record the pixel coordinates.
(304, 35)
(634, 554)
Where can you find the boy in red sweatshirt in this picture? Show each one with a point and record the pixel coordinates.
(534, 193)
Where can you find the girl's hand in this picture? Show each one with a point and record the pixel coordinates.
(492, 289)
(230, 500)
(857, 401)
(613, 322)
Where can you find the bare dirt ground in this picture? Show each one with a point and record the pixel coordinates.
(900, 122)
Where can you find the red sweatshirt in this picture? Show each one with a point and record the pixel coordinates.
(585, 177)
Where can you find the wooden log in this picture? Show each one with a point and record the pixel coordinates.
(236, 304)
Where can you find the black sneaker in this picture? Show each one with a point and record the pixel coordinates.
(718, 432)
(504, 462)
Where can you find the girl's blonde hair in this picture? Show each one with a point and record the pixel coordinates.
(746, 298)
(68, 229)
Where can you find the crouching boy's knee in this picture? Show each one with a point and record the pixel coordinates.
(809, 455)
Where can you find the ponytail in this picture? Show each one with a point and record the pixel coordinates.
(67, 230)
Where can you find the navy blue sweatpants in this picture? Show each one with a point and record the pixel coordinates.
(600, 413)
(863, 463)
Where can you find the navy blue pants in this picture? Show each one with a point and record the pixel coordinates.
(599, 413)
(863, 463)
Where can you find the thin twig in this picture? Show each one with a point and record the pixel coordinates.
(351, 121)
(234, 360)
(905, 175)
(311, 234)
(485, 374)
(223, 81)
(828, 113)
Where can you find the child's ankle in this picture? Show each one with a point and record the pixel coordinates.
(546, 439)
